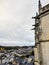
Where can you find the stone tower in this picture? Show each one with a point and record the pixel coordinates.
(41, 50)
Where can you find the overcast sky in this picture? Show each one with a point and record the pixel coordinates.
(16, 21)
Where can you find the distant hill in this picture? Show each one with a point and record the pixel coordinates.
(15, 47)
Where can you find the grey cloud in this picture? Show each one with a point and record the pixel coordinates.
(16, 21)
